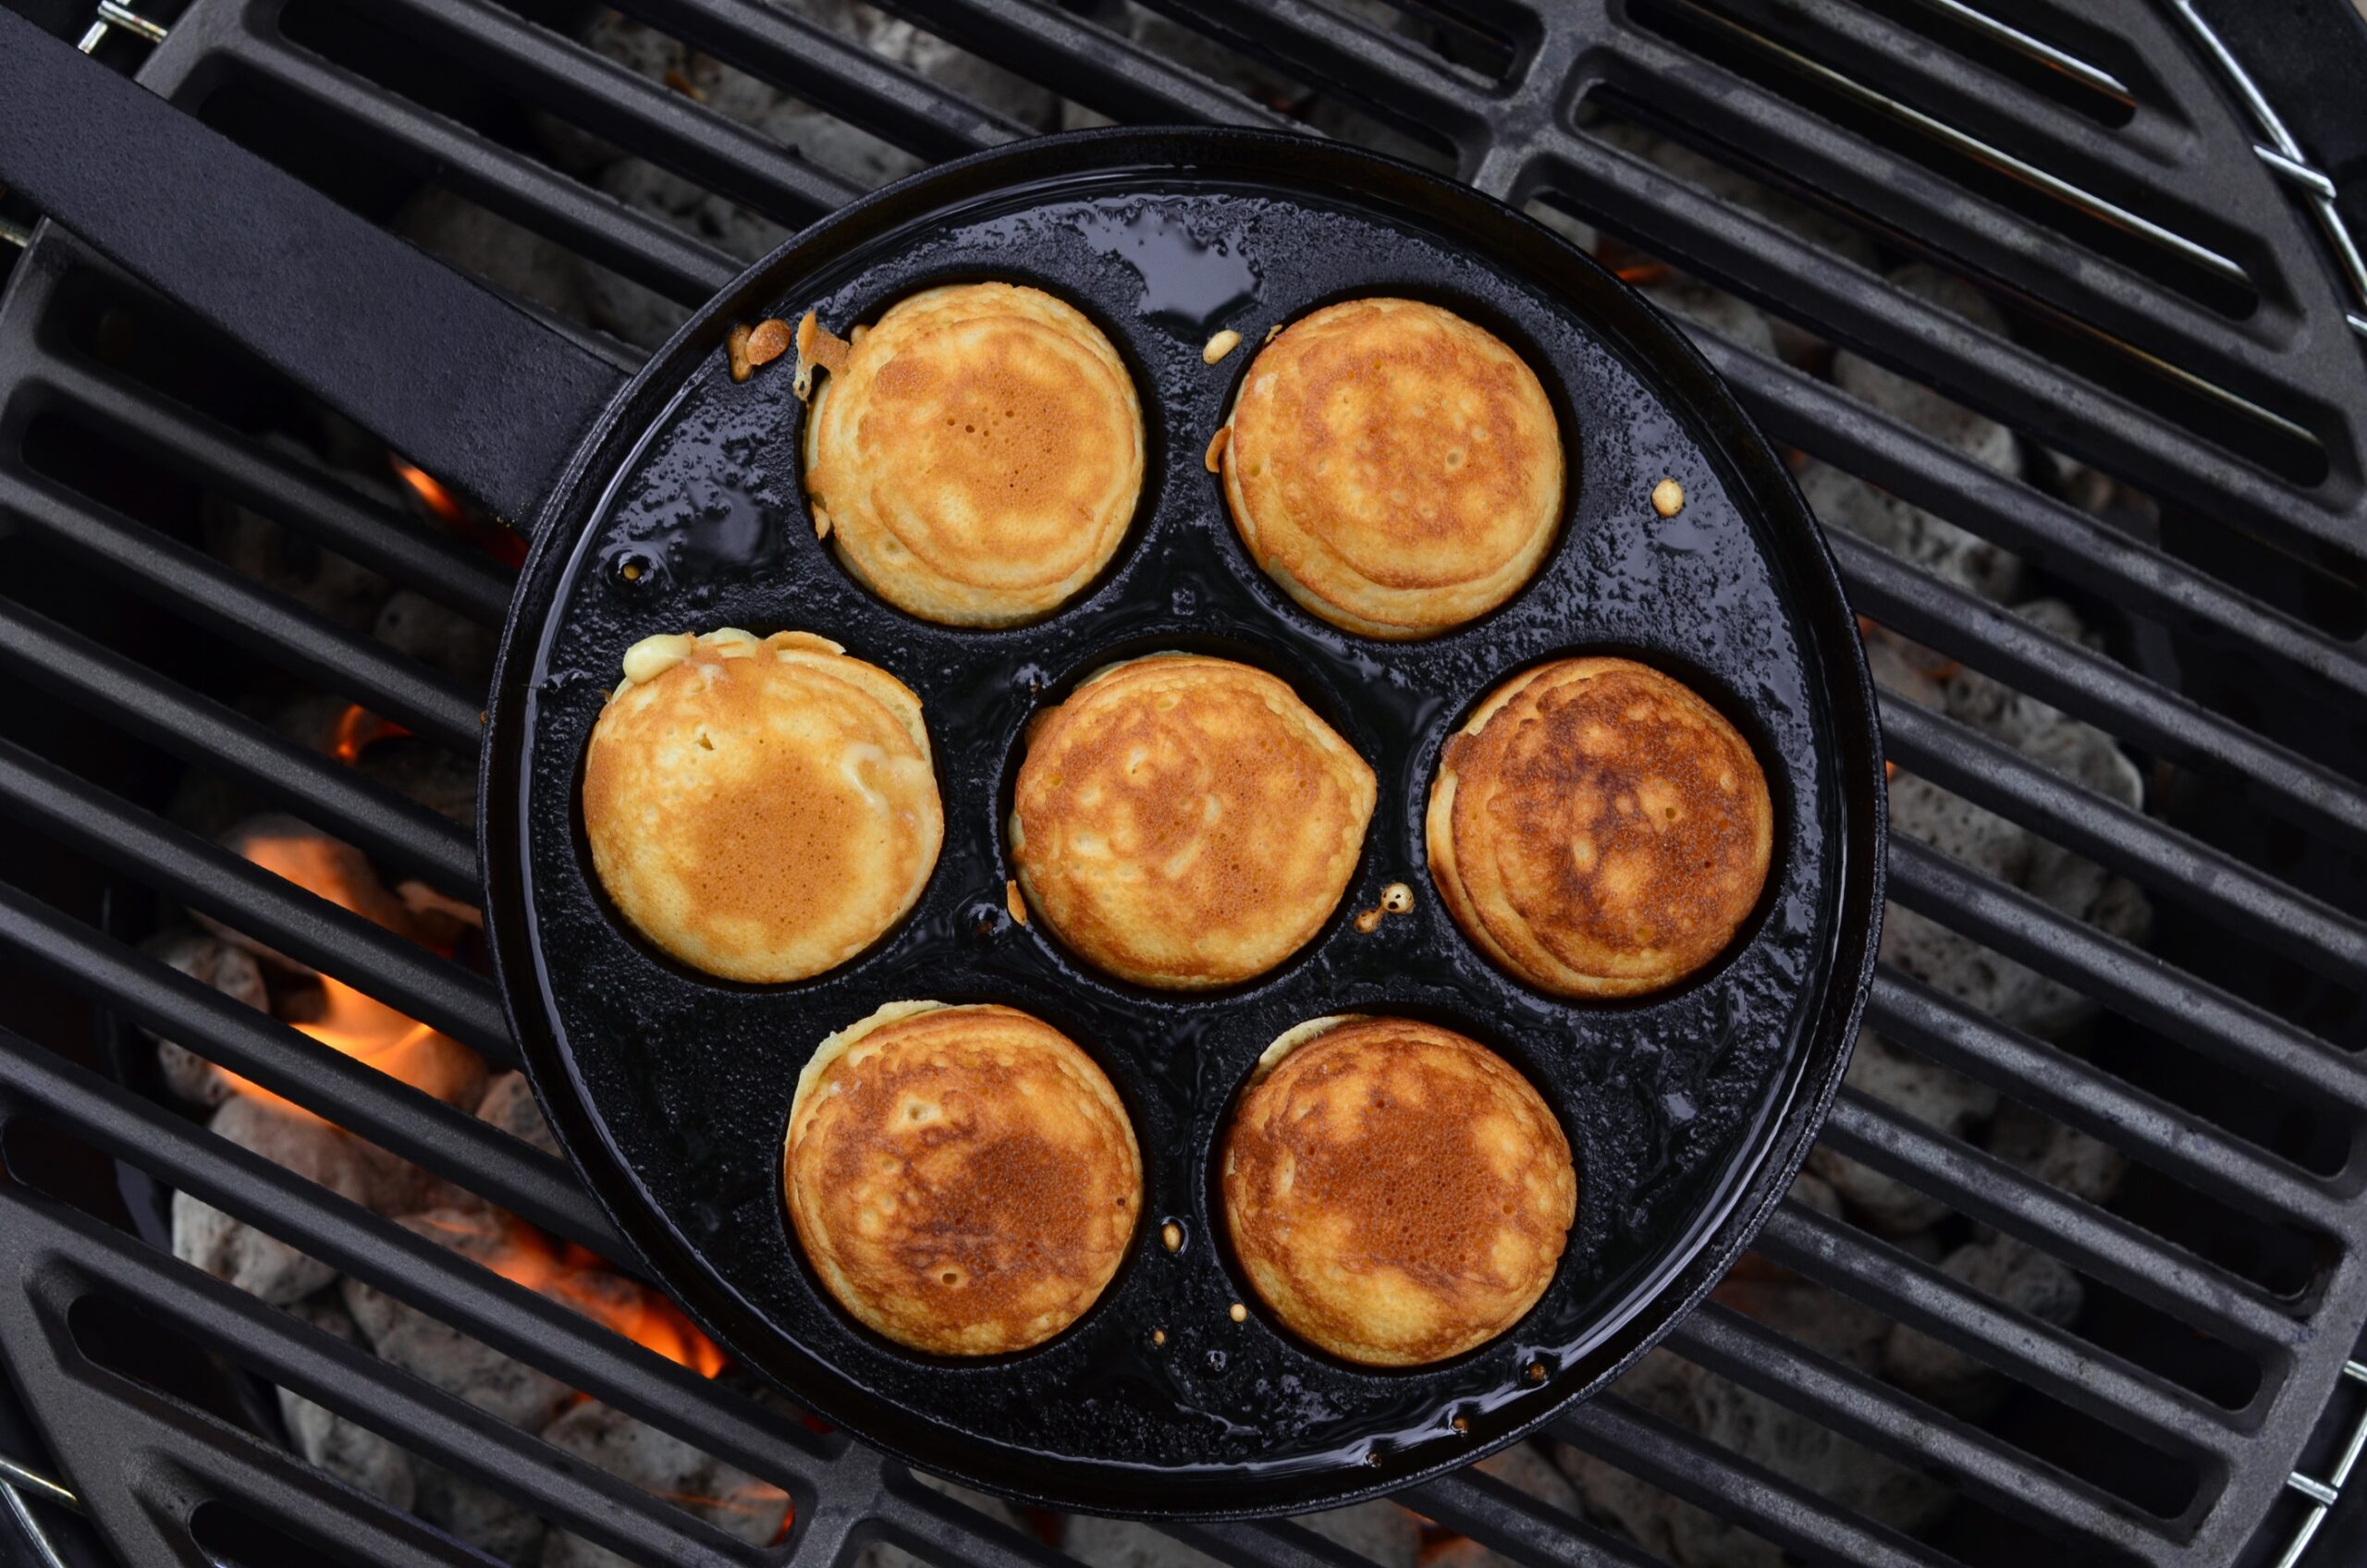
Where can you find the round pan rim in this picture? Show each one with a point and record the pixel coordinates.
(1696, 1258)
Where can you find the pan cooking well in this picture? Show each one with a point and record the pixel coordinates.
(1688, 1112)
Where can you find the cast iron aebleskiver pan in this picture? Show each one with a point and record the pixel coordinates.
(1688, 1112)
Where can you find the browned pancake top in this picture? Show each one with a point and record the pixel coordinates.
(964, 1180)
(1398, 468)
(1185, 821)
(1396, 1192)
(1606, 829)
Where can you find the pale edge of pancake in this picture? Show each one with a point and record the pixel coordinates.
(834, 1047)
(1291, 1038)
(1438, 826)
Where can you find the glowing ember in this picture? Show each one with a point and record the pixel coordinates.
(1642, 274)
(429, 489)
(357, 730)
(578, 1278)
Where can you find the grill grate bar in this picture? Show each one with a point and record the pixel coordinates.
(2130, 981)
(516, 1321)
(1961, 759)
(333, 1086)
(1881, 1418)
(1393, 77)
(2091, 686)
(1078, 60)
(895, 105)
(254, 475)
(1474, 1503)
(396, 1404)
(2209, 1160)
(1766, 264)
(595, 226)
(378, 821)
(171, 575)
(1747, 116)
(1736, 1490)
(1865, 46)
(2079, 1374)
(645, 116)
(2131, 1260)
(241, 894)
(1826, 421)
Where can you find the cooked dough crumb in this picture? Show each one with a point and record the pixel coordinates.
(735, 349)
(1463, 1423)
(1013, 903)
(1238, 1313)
(817, 346)
(1173, 1234)
(1668, 497)
(1274, 331)
(1396, 899)
(768, 342)
(821, 522)
(1223, 343)
(1369, 921)
(1159, 1336)
(1537, 1371)
(1214, 461)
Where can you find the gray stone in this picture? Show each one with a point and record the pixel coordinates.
(2061, 1155)
(343, 1448)
(1946, 1101)
(1759, 1431)
(477, 1515)
(662, 1465)
(419, 1343)
(1714, 310)
(2012, 1273)
(1844, 501)
(209, 960)
(1945, 421)
(509, 1105)
(254, 1260)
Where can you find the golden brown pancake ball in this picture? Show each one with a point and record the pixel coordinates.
(1395, 468)
(1598, 829)
(979, 456)
(964, 1179)
(1184, 820)
(762, 809)
(1395, 1191)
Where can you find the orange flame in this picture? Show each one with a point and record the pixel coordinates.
(578, 1278)
(356, 729)
(430, 489)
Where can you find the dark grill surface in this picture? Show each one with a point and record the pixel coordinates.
(2174, 321)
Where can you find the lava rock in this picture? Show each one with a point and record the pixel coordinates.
(509, 1105)
(662, 1465)
(431, 1349)
(209, 960)
(1843, 501)
(342, 1447)
(254, 1260)
(2014, 1273)
(1945, 421)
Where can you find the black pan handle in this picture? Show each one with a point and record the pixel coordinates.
(455, 378)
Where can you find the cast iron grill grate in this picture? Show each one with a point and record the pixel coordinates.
(2174, 321)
